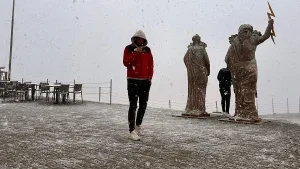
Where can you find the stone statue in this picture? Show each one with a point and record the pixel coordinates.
(241, 62)
(198, 69)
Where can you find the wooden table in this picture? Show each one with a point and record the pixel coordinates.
(56, 87)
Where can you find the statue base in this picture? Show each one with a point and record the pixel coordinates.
(192, 116)
(243, 121)
(196, 115)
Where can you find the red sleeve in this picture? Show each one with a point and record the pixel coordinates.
(128, 58)
(151, 66)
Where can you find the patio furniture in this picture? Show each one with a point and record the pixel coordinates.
(30, 87)
(55, 91)
(77, 90)
(22, 90)
(11, 89)
(2, 90)
(44, 89)
(3, 75)
(64, 92)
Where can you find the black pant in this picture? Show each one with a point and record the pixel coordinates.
(225, 100)
(137, 90)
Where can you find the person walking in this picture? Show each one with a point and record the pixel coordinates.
(138, 60)
(224, 77)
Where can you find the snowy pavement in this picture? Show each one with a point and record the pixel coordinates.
(289, 117)
(92, 135)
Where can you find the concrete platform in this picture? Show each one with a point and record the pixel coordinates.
(92, 135)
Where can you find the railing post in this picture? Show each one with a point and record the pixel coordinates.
(110, 91)
(74, 92)
(273, 106)
(287, 105)
(170, 104)
(99, 94)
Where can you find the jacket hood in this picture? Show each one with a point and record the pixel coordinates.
(140, 34)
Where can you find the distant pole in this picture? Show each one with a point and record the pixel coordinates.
(99, 93)
(217, 106)
(169, 104)
(287, 105)
(110, 91)
(273, 106)
(299, 105)
(11, 39)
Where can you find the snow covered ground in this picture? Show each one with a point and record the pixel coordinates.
(289, 117)
(93, 135)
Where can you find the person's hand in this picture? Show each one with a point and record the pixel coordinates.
(139, 49)
(271, 21)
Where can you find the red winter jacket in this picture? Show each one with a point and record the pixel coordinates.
(139, 64)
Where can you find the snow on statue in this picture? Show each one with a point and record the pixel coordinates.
(241, 62)
(198, 70)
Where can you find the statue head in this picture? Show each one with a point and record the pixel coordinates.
(245, 31)
(196, 39)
